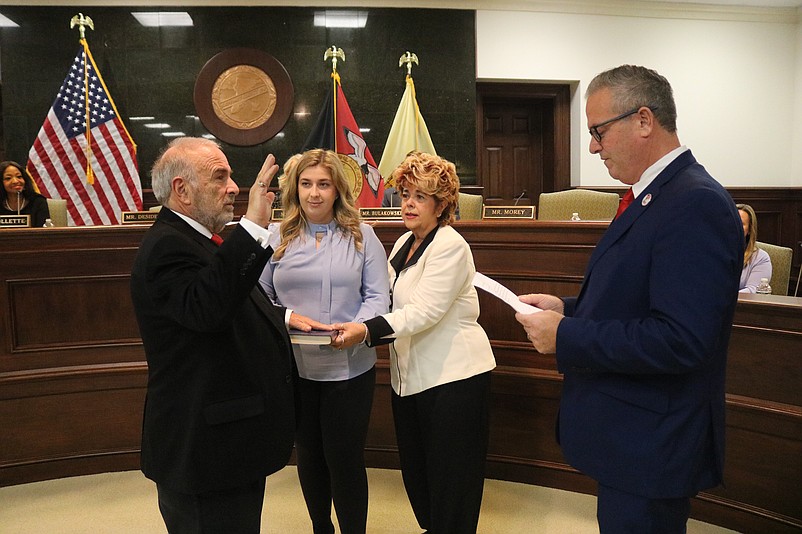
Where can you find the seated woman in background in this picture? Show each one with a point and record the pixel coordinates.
(757, 263)
(19, 197)
(330, 267)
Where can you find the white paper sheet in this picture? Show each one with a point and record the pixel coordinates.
(497, 290)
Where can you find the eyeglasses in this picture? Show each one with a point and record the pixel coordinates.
(594, 130)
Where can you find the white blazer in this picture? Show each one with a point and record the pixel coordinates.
(435, 311)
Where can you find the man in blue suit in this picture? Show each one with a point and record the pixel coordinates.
(643, 348)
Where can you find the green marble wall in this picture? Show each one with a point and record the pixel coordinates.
(151, 72)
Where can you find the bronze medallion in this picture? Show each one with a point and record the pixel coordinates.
(352, 173)
(243, 96)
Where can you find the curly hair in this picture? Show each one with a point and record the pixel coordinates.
(433, 176)
(295, 223)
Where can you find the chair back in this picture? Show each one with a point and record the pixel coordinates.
(590, 205)
(58, 211)
(781, 258)
(470, 207)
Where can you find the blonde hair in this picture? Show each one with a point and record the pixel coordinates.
(751, 232)
(288, 165)
(433, 176)
(294, 223)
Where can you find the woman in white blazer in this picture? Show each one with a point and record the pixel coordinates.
(440, 358)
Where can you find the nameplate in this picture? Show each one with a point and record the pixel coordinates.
(15, 221)
(387, 214)
(508, 212)
(277, 214)
(138, 217)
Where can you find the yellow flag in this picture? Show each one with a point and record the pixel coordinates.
(407, 133)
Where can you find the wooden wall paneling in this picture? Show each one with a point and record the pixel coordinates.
(74, 405)
(759, 494)
(70, 421)
(71, 311)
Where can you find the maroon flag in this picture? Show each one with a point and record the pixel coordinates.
(83, 153)
(336, 129)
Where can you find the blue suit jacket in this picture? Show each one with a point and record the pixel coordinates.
(644, 346)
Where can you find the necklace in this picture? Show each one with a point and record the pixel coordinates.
(22, 204)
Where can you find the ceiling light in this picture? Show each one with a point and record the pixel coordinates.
(6, 22)
(151, 19)
(341, 19)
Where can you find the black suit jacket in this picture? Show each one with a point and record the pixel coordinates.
(219, 411)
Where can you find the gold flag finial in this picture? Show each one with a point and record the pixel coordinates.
(334, 53)
(409, 59)
(81, 21)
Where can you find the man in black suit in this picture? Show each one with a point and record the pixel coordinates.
(219, 412)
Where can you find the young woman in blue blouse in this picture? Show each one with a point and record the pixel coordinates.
(330, 267)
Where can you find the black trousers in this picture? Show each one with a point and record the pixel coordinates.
(235, 511)
(619, 512)
(442, 436)
(333, 422)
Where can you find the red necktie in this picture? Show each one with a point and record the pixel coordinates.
(217, 240)
(626, 201)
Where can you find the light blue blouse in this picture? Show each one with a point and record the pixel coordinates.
(331, 283)
(759, 266)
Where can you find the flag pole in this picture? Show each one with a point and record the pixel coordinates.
(333, 53)
(408, 59)
(82, 22)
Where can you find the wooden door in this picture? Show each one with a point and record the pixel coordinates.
(522, 141)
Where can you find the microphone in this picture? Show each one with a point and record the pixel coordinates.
(519, 197)
(18, 202)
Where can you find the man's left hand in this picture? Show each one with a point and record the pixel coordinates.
(541, 329)
(260, 198)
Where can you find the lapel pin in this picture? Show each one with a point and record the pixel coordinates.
(646, 199)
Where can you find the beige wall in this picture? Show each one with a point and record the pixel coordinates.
(736, 80)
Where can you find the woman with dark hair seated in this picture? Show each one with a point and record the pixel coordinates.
(18, 196)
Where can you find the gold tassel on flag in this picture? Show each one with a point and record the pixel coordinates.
(82, 22)
(334, 53)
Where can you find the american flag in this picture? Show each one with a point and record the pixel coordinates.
(96, 171)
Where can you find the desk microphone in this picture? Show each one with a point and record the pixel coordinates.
(18, 202)
(519, 197)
